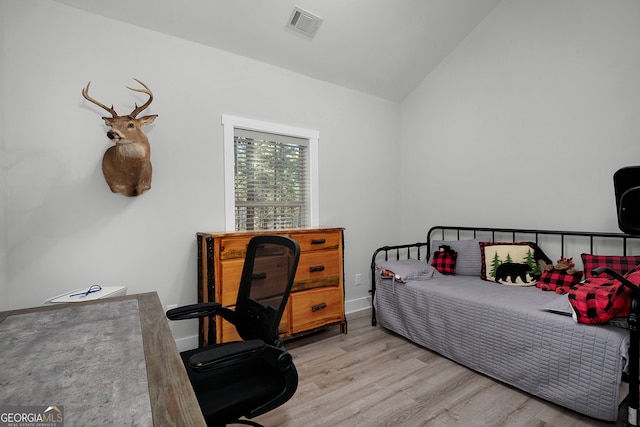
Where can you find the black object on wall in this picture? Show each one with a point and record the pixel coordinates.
(627, 187)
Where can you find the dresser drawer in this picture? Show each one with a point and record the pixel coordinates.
(227, 289)
(234, 247)
(318, 241)
(275, 267)
(227, 332)
(315, 308)
(318, 269)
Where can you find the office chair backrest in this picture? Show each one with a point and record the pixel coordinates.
(626, 182)
(267, 277)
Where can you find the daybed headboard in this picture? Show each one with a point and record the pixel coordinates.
(586, 241)
(554, 243)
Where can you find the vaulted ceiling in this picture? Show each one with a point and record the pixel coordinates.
(381, 47)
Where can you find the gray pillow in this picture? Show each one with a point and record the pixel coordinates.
(560, 305)
(406, 270)
(469, 260)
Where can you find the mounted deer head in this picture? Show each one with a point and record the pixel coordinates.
(127, 164)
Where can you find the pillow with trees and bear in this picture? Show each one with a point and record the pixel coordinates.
(512, 263)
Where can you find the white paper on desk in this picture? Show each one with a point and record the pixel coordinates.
(103, 293)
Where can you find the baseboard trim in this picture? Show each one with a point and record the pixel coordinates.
(355, 305)
(187, 343)
(350, 307)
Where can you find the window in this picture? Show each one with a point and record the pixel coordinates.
(270, 175)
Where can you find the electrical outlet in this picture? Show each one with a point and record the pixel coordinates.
(358, 279)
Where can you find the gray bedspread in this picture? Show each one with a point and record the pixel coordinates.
(501, 332)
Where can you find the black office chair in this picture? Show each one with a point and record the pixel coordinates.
(633, 370)
(250, 377)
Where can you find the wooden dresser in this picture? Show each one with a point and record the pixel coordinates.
(317, 296)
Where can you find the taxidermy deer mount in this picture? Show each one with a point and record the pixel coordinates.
(127, 164)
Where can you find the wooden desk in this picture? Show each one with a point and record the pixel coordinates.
(171, 398)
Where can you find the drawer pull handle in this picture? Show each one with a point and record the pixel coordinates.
(315, 268)
(259, 276)
(318, 241)
(319, 307)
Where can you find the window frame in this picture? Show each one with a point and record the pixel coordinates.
(230, 124)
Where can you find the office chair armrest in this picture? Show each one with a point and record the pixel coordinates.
(634, 288)
(223, 355)
(194, 311)
(282, 360)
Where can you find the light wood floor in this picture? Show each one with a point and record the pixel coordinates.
(371, 377)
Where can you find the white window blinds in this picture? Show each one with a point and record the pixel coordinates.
(271, 181)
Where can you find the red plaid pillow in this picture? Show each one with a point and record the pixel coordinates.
(445, 262)
(558, 281)
(600, 299)
(621, 264)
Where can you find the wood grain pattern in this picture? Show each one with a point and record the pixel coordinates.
(220, 264)
(173, 402)
(328, 308)
(371, 377)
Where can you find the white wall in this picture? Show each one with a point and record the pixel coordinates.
(4, 296)
(67, 230)
(524, 124)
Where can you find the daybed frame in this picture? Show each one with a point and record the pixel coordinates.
(555, 244)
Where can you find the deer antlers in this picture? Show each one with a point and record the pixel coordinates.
(85, 93)
(146, 90)
(137, 110)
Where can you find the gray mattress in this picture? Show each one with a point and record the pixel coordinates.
(501, 331)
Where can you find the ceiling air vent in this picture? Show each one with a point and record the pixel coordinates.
(304, 22)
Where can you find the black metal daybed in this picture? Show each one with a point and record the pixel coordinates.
(520, 335)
